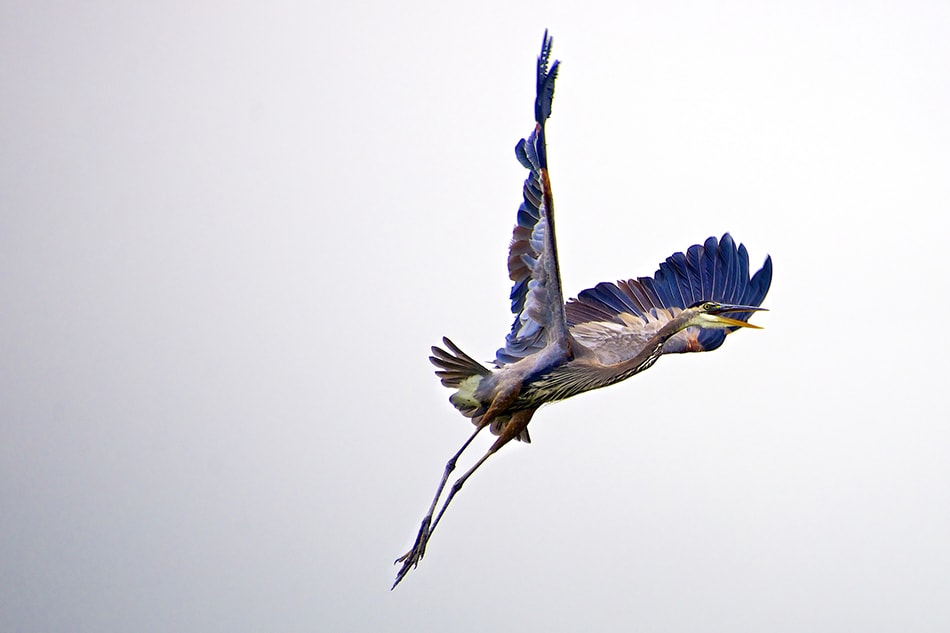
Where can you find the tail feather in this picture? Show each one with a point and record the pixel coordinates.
(455, 365)
(460, 371)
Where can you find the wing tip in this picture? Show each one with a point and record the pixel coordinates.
(547, 75)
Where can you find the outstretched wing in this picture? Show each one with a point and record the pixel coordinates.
(615, 319)
(536, 298)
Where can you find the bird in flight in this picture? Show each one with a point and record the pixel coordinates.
(609, 333)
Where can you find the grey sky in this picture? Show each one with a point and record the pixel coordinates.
(229, 234)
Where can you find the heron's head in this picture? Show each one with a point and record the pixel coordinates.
(709, 315)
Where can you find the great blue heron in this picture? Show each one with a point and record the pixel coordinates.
(607, 334)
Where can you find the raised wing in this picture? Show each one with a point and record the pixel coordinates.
(536, 298)
(615, 320)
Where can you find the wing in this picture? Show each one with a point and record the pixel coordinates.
(616, 319)
(536, 298)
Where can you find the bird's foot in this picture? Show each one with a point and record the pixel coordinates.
(411, 558)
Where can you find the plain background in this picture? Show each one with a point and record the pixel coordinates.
(229, 233)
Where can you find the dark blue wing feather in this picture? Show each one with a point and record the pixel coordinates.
(694, 263)
(758, 286)
(727, 266)
(644, 296)
(716, 270)
(710, 258)
(665, 286)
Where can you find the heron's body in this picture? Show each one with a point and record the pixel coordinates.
(609, 333)
(550, 375)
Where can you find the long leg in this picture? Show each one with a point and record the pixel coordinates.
(518, 422)
(413, 556)
(515, 426)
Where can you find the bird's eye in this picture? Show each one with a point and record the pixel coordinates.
(709, 305)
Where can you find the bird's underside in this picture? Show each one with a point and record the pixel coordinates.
(605, 335)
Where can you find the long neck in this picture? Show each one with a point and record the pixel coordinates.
(651, 351)
(579, 376)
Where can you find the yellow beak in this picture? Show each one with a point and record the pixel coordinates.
(736, 322)
(737, 308)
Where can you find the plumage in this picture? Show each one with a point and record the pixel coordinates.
(714, 271)
(608, 333)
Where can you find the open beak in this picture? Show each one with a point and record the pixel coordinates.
(735, 322)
